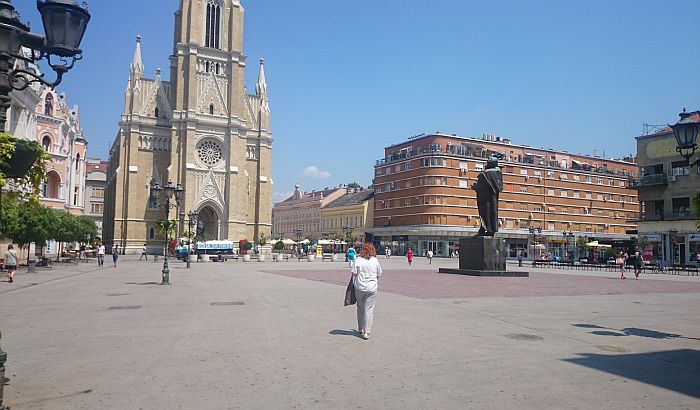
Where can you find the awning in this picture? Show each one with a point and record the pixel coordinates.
(595, 244)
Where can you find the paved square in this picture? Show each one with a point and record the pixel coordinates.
(275, 335)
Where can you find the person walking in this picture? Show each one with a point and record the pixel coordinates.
(409, 256)
(81, 255)
(430, 257)
(366, 276)
(115, 254)
(620, 261)
(11, 262)
(100, 254)
(351, 257)
(637, 262)
(388, 253)
(144, 253)
(520, 259)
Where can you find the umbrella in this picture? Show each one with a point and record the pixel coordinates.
(288, 242)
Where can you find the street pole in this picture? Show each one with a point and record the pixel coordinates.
(166, 271)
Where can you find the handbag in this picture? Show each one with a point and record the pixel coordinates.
(350, 294)
(619, 261)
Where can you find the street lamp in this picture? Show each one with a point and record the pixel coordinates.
(64, 25)
(686, 133)
(569, 238)
(192, 218)
(64, 22)
(169, 190)
(533, 231)
(298, 232)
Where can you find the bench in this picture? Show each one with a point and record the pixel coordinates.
(327, 256)
(224, 258)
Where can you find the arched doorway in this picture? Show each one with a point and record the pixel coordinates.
(52, 185)
(209, 222)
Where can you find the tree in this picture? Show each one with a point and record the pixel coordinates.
(279, 245)
(164, 226)
(262, 239)
(27, 222)
(354, 185)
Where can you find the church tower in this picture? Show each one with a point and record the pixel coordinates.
(201, 129)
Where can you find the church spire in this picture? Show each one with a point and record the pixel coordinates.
(137, 64)
(261, 86)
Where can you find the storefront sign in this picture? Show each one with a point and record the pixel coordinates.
(652, 238)
(694, 237)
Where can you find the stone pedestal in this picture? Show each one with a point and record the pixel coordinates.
(483, 256)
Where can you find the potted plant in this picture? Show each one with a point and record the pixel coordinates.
(245, 246)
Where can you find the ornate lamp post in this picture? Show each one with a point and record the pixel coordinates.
(169, 190)
(569, 236)
(64, 24)
(534, 232)
(686, 133)
(192, 218)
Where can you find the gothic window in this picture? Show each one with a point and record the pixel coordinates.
(46, 143)
(209, 152)
(48, 105)
(217, 68)
(157, 112)
(213, 24)
(206, 67)
(211, 109)
(77, 162)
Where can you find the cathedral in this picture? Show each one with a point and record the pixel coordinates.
(201, 130)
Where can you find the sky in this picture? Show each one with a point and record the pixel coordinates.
(347, 79)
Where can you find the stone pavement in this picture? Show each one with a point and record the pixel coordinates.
(276, 336)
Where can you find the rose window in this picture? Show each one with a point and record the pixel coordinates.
(209, 152)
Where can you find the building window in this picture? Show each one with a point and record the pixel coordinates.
(564, 193)
(681, 207)
(213, 24)
(537, 173)
(46, 143)
(75, 196)
(588, 179)
(97, 208)
(576, 178)
(577, 194)
(48, 105)
(211, 109)
(523, 189)
(478, 166)
(679, 168)
(97, 192)
(156, 113)
(550, 174)
(77, 162)
(523, 172)
(151, 233)
(550, 191)
(52, 185)
(407, 166)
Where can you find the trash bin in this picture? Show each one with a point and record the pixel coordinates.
(31, 266)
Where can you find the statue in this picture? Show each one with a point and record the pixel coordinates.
(488, 185)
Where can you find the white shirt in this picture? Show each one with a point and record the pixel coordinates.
(366, 274)
(101, 250)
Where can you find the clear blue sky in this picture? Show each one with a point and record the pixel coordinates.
(347, 79)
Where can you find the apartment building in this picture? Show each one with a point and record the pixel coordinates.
(423, 196)
(665, 186)
(348, 216)
(299, 216)
(95, 184)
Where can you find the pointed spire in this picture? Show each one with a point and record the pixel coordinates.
(137, 64)
(261, 86)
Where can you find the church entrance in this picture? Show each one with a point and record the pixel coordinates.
(209, 223)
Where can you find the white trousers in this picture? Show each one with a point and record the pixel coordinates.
(365, 310)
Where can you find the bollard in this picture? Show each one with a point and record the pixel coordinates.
(31, 266)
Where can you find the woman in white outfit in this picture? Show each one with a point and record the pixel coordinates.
(366, 274)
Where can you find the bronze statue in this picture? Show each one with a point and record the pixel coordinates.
(488, 185)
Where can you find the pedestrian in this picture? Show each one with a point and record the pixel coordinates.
(100, 254)
(456, 253)
(351, 257)
(366, 276)
(115, 254)
(11, 262)
(388, 253)
(620, 261)
(697, 258)
(430, 257)
(81, 255)
(638, 262)
(409, 256)
(520, 259)
(143, 253)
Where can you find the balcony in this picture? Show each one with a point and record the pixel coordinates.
(647, 180)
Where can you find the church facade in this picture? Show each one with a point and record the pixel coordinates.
(201, 130)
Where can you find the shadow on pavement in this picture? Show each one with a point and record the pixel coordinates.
(675, 370)
(339, 332)
(632, 331)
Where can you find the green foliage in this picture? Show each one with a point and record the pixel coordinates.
(261, 240)
(247, 246)
(164, 226)
(36, 174)
(582, 242)
(279, 245)
(354, 185)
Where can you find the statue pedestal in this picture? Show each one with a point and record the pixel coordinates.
(483, 256)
